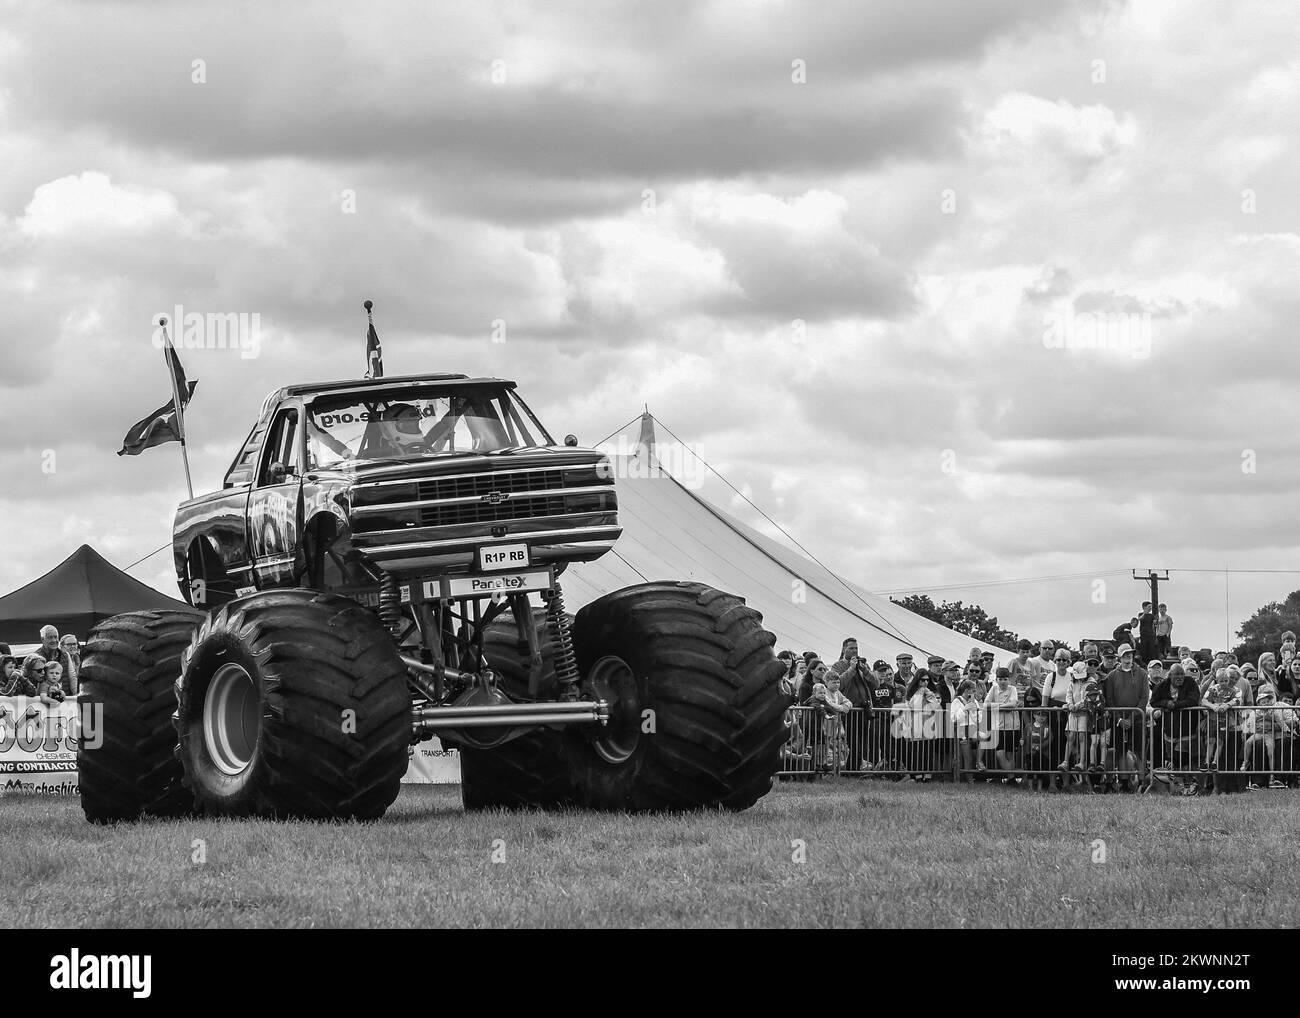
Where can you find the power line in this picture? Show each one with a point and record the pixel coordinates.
(997, 583)
(1062, 576)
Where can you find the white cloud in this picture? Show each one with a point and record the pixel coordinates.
(90, 202)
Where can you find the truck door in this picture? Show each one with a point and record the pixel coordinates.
(275, 504)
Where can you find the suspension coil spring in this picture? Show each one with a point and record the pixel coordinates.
(390, 604)
(565, 661)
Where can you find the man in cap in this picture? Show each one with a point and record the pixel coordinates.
(934, 663)
(903, 663)
(1127, 694)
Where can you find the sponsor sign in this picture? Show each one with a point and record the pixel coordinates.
(38, 746)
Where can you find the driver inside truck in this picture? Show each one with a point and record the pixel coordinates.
(398, 433)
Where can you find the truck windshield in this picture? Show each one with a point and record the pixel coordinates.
(419, 422)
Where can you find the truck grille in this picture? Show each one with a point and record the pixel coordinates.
(500, 497)
(482, 484)
(512, 509)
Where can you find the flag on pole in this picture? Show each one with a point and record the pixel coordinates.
(159, 427)
(374, 353)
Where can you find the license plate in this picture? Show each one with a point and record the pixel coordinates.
(503, 556)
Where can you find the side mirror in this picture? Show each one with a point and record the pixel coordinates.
(570, 439)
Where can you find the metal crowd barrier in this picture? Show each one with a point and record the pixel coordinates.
(1227, 750)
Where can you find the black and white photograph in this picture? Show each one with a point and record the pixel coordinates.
(767, 464)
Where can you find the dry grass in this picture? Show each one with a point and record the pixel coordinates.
(877, 854)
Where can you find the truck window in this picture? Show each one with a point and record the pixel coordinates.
(281, 446)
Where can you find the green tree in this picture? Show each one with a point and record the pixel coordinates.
(1263, 630)
(968, 619)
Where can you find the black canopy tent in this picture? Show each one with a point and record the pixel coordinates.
(80, 591)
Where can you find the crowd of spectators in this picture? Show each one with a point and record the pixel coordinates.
(1052, 716)
(49, 674)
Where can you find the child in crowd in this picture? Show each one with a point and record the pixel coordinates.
(50, 688)
(966, 711)
(1272, 722)
(1003, 699)
(1094, 702)
(1038, 750)
(1220, 698)
(834, 705)
(1076, 724)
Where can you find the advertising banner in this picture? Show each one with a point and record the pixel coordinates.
(38, 747)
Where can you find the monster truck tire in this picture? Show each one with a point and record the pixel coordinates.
(127, 691)
(293, 703)
(529, 771)
(702, 662)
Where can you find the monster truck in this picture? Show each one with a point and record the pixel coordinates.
(381, 566)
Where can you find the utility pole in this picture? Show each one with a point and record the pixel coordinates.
(1153, 577)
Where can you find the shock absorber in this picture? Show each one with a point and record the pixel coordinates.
(566, 662)
(390, 604)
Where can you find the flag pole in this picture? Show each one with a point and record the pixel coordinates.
(180, 409)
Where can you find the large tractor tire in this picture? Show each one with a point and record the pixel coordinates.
(293, 703)
(529, 771)
(126, 762)
(697, 712)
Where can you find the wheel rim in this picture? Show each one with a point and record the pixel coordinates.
(611, 679)
(231, 719)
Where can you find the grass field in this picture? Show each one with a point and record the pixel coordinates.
(877, 854)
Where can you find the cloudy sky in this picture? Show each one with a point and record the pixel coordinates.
(958, 292)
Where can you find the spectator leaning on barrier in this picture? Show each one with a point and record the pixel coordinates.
(1003, 699)
(12, 681)
(1176, 691)
(1221, 697)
